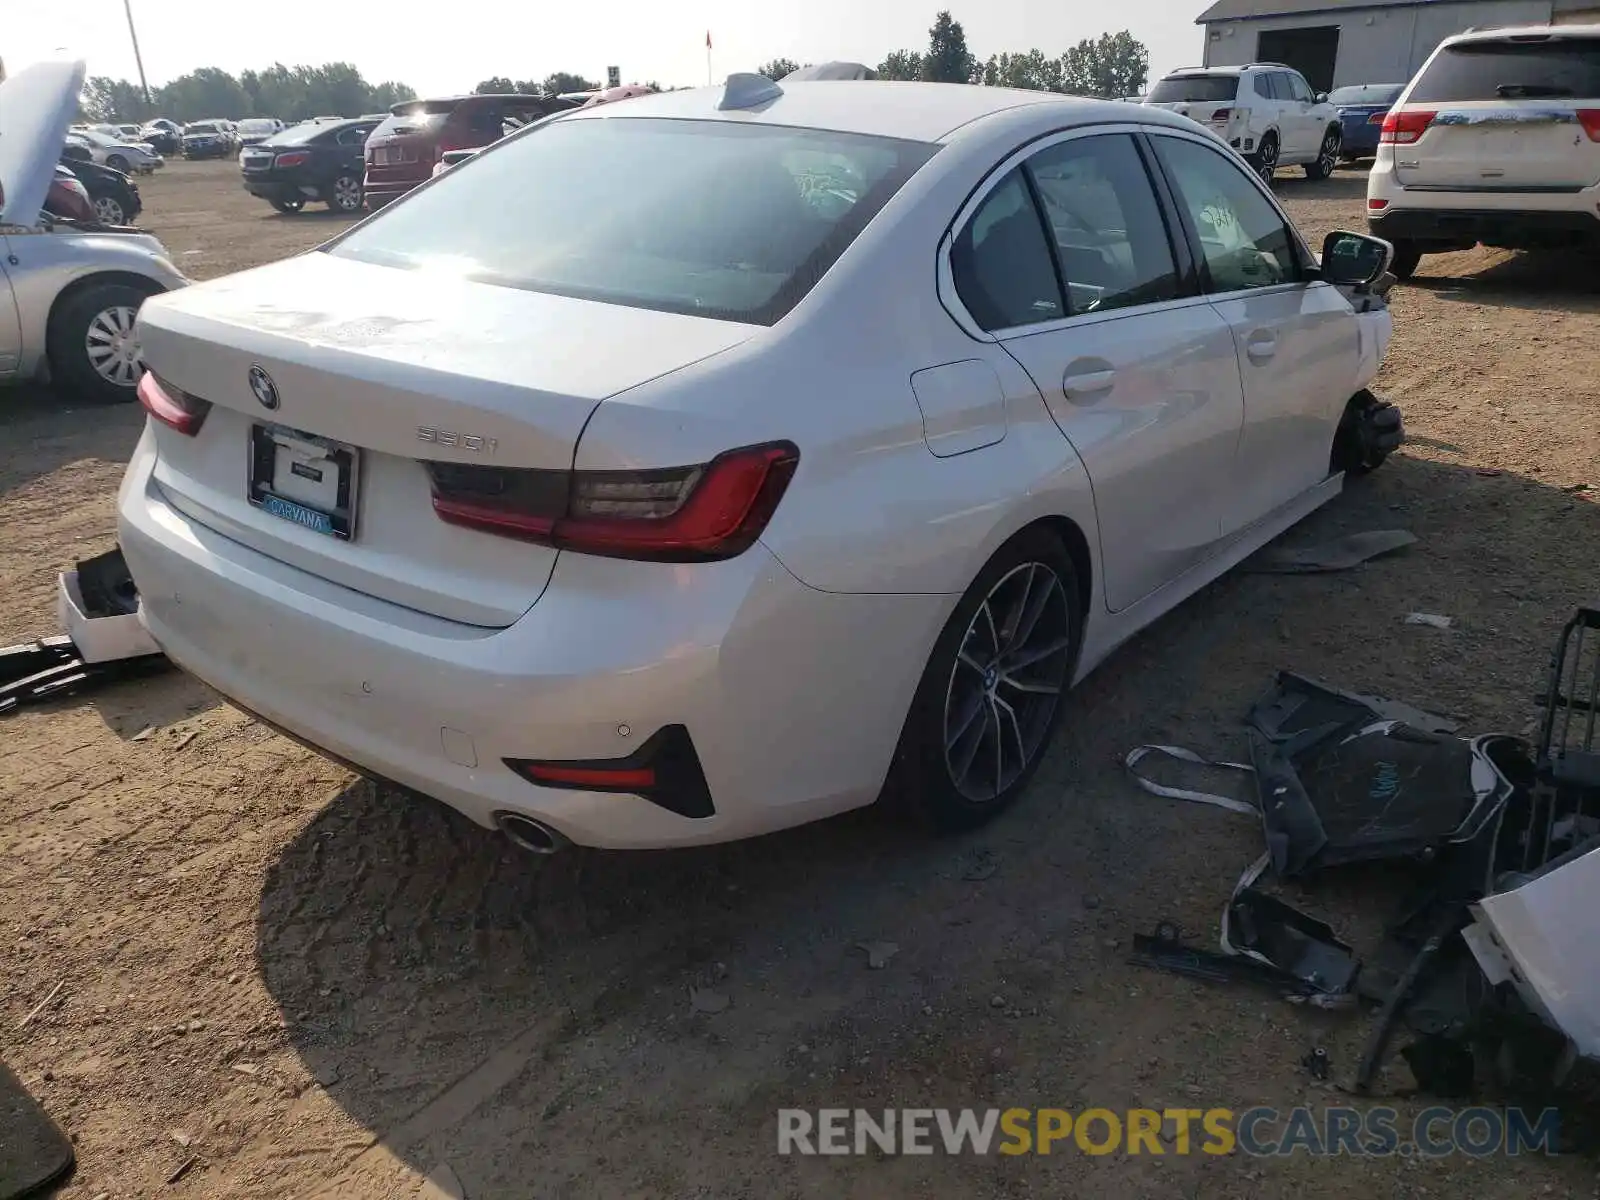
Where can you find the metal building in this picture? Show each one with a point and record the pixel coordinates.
(1338, 42)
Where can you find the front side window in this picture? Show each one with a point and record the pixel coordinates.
(1264, 87)
(1300, 89)
(1110, 239)
(711, 218)
(1244, 241)
(1001, 262)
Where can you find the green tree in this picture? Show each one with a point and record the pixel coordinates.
(115, 100)
(1032, 71)
(495, 85)
(1114, 64)
(901, 64)
(207, 92)
(778, 68)
(387, 94)
(565, 81)
(948, 60)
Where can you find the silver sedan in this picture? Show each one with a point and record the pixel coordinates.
(683, 469)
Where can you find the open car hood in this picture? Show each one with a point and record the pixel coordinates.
(36, 106)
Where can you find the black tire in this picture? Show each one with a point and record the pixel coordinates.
(288, 206)
(68, 338)
(924, 777)
(117, 163)
(1265, 160)
(1369, 431)
(108, 210)
(1327, 156)
(1407, 257)
(345, 194)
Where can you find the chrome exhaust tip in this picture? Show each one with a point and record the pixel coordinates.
(527, 834)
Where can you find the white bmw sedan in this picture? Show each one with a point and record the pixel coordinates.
(689, 468)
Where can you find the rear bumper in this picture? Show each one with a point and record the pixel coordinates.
(1515, 229)
(793, 698)
(1358, 137)
(280, 189)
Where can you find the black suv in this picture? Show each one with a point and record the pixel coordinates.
(115, 197)
(319, 160)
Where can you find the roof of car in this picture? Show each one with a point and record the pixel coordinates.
(1495, 34)
(922, 112)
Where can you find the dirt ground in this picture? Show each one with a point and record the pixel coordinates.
(308, 986)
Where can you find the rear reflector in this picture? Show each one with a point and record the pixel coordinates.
(665, 771)
(680, 514)
(172, 406)
(1403, 128)
(1589, 118)
(1374, 202)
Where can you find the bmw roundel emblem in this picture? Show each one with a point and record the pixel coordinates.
(266, 391)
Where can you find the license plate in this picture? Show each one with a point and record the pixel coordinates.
(308, 480)
(385, 156)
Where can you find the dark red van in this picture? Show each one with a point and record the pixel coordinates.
(401, 152)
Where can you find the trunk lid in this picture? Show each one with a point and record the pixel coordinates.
(1508, 114)
(373, 370)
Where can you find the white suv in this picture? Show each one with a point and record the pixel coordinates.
(1265, 111)
(1496, 140)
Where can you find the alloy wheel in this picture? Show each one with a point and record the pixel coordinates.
(1267, 160)
(113, 346)
(347, 193)
(108, 212)
(1329, 158)
(1007, 679)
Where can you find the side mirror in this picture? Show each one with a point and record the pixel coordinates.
(1354, 258)
(1322, 97)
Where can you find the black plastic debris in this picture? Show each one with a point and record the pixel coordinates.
(54, 667)
(1166, 950)
(1299, 946)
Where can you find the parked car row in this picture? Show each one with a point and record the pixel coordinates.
(118, 152)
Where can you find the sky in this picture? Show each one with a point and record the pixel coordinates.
(439, 49)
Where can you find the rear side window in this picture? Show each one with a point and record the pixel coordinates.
(712, 218)
(1511, 70)
(1264, 87)
(1110, 238)
(1000, 262)
(1177, 89)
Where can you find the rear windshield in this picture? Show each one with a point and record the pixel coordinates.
(299, 135)
(1554, 68)
(1367, 93)
(1193, 88)
(716, 219)
(201, 128)
(254, 126)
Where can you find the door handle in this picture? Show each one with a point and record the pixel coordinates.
(1088, 377)
(1261, 346)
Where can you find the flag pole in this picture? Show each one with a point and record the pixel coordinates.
(708, 58)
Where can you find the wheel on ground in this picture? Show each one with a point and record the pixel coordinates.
(991, 694)
(1369, 431)
(117, 163)
(1265, 159)
(1327, 156)
(344, 194)
(1407, 257)
(289, 206)
(92, 344)
(108, 210)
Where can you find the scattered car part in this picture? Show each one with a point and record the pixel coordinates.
(1165, 950)
(1298, 945)
(1341, 554)
(1316, 1063)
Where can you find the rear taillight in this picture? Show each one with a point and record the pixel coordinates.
(1402, 128)
(1589, 118)
(1221, 116)
(681, 514)
(665, 770)
(172, 406)
(294, 158)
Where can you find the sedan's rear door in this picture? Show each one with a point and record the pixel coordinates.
(1515, 113)
(1068, 262)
